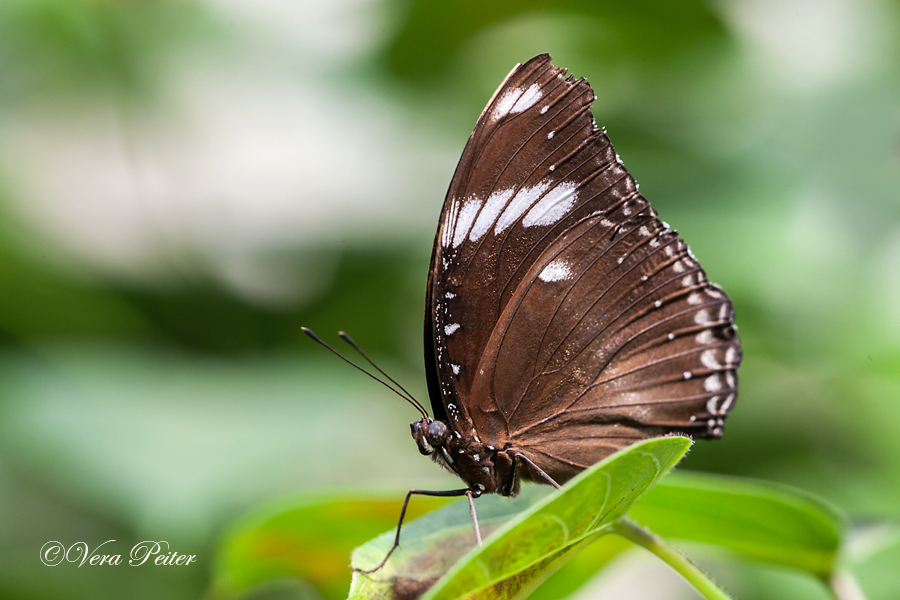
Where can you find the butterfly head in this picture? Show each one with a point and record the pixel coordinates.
(429, 434)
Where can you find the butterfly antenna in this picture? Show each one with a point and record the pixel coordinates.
(343, 335)
(317, 339)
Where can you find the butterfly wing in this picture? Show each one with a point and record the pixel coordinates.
(562, 318)
(613, 336)
(535, 120)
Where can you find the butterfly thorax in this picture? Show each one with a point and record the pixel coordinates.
(484, 468)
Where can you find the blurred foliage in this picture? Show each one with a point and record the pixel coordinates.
(67, 49)
(645, 32)
(309, 540)
(135, 408)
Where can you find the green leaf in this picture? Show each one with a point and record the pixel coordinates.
(574, 573)
(761, 521)
(532, 535)
(309, 539)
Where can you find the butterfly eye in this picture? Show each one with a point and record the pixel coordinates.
(437, 433)
(419, 431)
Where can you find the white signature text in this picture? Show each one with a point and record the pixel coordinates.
(147, 552)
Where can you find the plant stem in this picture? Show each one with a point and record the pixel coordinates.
(844, 587)
(670, 556)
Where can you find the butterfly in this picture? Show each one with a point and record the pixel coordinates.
(563, 320)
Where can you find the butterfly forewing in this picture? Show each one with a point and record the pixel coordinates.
(513, 187)
(562, 317)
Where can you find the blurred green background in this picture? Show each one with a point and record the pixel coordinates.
(184, 183)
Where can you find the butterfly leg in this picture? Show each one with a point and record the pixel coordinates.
(441, 493)
(537, 469)
(470, 495)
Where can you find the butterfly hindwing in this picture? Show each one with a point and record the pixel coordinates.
(615, 335)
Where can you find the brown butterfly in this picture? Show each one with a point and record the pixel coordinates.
(563, 320)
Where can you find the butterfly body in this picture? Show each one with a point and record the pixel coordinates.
(563, 320)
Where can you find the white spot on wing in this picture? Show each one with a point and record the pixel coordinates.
(451, 329)
(447, 234)
(730, 355)
(552, 207)
(449, 295)
(488, 214)
(455, 369)
(505, 104)
(550, 135)
(515, 101)
(528, 99)
(704, 337)
(702, 317)
(466, 217)
(712, 383)
(708, 358)
(726, 406)
(520, 203)
(544, 110)
(694, 298)
(556, 271)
